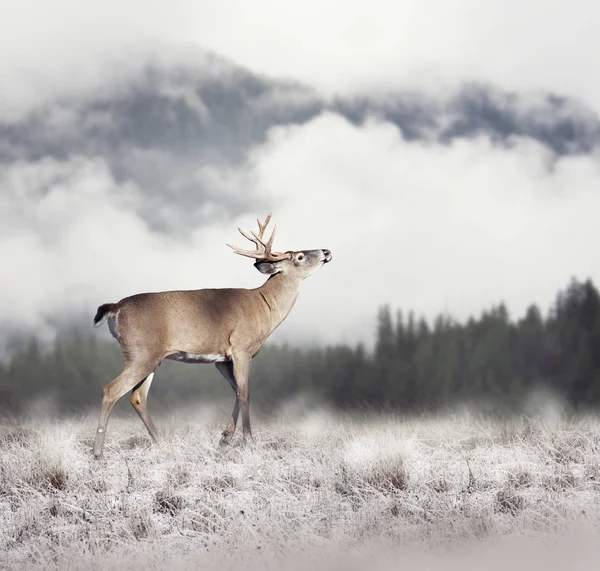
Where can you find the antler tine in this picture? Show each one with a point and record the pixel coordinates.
(257, 238)
(269, 244)
(262, 227)
(248, 253)
(261, 231)
(248, 236)
(263, 250)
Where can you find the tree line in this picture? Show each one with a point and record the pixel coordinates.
(415, 365)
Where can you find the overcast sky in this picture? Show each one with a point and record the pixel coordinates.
(420, 225)
(538, 44)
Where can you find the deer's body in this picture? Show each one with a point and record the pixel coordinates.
(200, 326)
(223, 326)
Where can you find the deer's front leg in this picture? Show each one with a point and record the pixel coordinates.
(241, 372)
(226, 369)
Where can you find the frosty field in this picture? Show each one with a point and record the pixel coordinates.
(315, 491)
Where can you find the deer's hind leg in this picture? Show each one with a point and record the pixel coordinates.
(139, 397)
(134, 373)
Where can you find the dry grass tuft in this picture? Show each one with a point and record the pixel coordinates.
(520, 479)
(19, 435)
(47, 477)
(388, 475)
(508, 501)
(167, 502)
(440, 485)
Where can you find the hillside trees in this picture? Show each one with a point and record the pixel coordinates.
(414, 365)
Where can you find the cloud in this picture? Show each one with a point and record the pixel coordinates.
(71, 238)
(170, 131)
(426, 226)
(357, 47)
(182, 133)
(418, 224)
(360, 45)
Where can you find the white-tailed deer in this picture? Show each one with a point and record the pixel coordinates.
(222, 326)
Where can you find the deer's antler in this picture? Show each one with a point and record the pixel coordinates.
(263, 250)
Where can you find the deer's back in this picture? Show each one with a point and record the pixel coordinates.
(192, 321)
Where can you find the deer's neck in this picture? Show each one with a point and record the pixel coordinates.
(280, 293)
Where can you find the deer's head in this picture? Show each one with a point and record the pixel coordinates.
(299, 264)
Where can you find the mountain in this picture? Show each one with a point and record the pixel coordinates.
(168, 129)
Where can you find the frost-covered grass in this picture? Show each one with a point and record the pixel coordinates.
(316, 491)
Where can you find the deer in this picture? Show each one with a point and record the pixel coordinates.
(224, 326)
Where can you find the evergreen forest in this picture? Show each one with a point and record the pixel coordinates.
(415, 365)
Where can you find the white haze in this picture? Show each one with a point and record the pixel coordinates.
(47, 48)
(421, 226)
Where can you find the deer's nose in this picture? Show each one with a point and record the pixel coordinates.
(327, 255)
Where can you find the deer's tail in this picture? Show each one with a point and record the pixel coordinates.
(104, 310)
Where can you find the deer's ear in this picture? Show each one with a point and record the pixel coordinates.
(268, 268)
